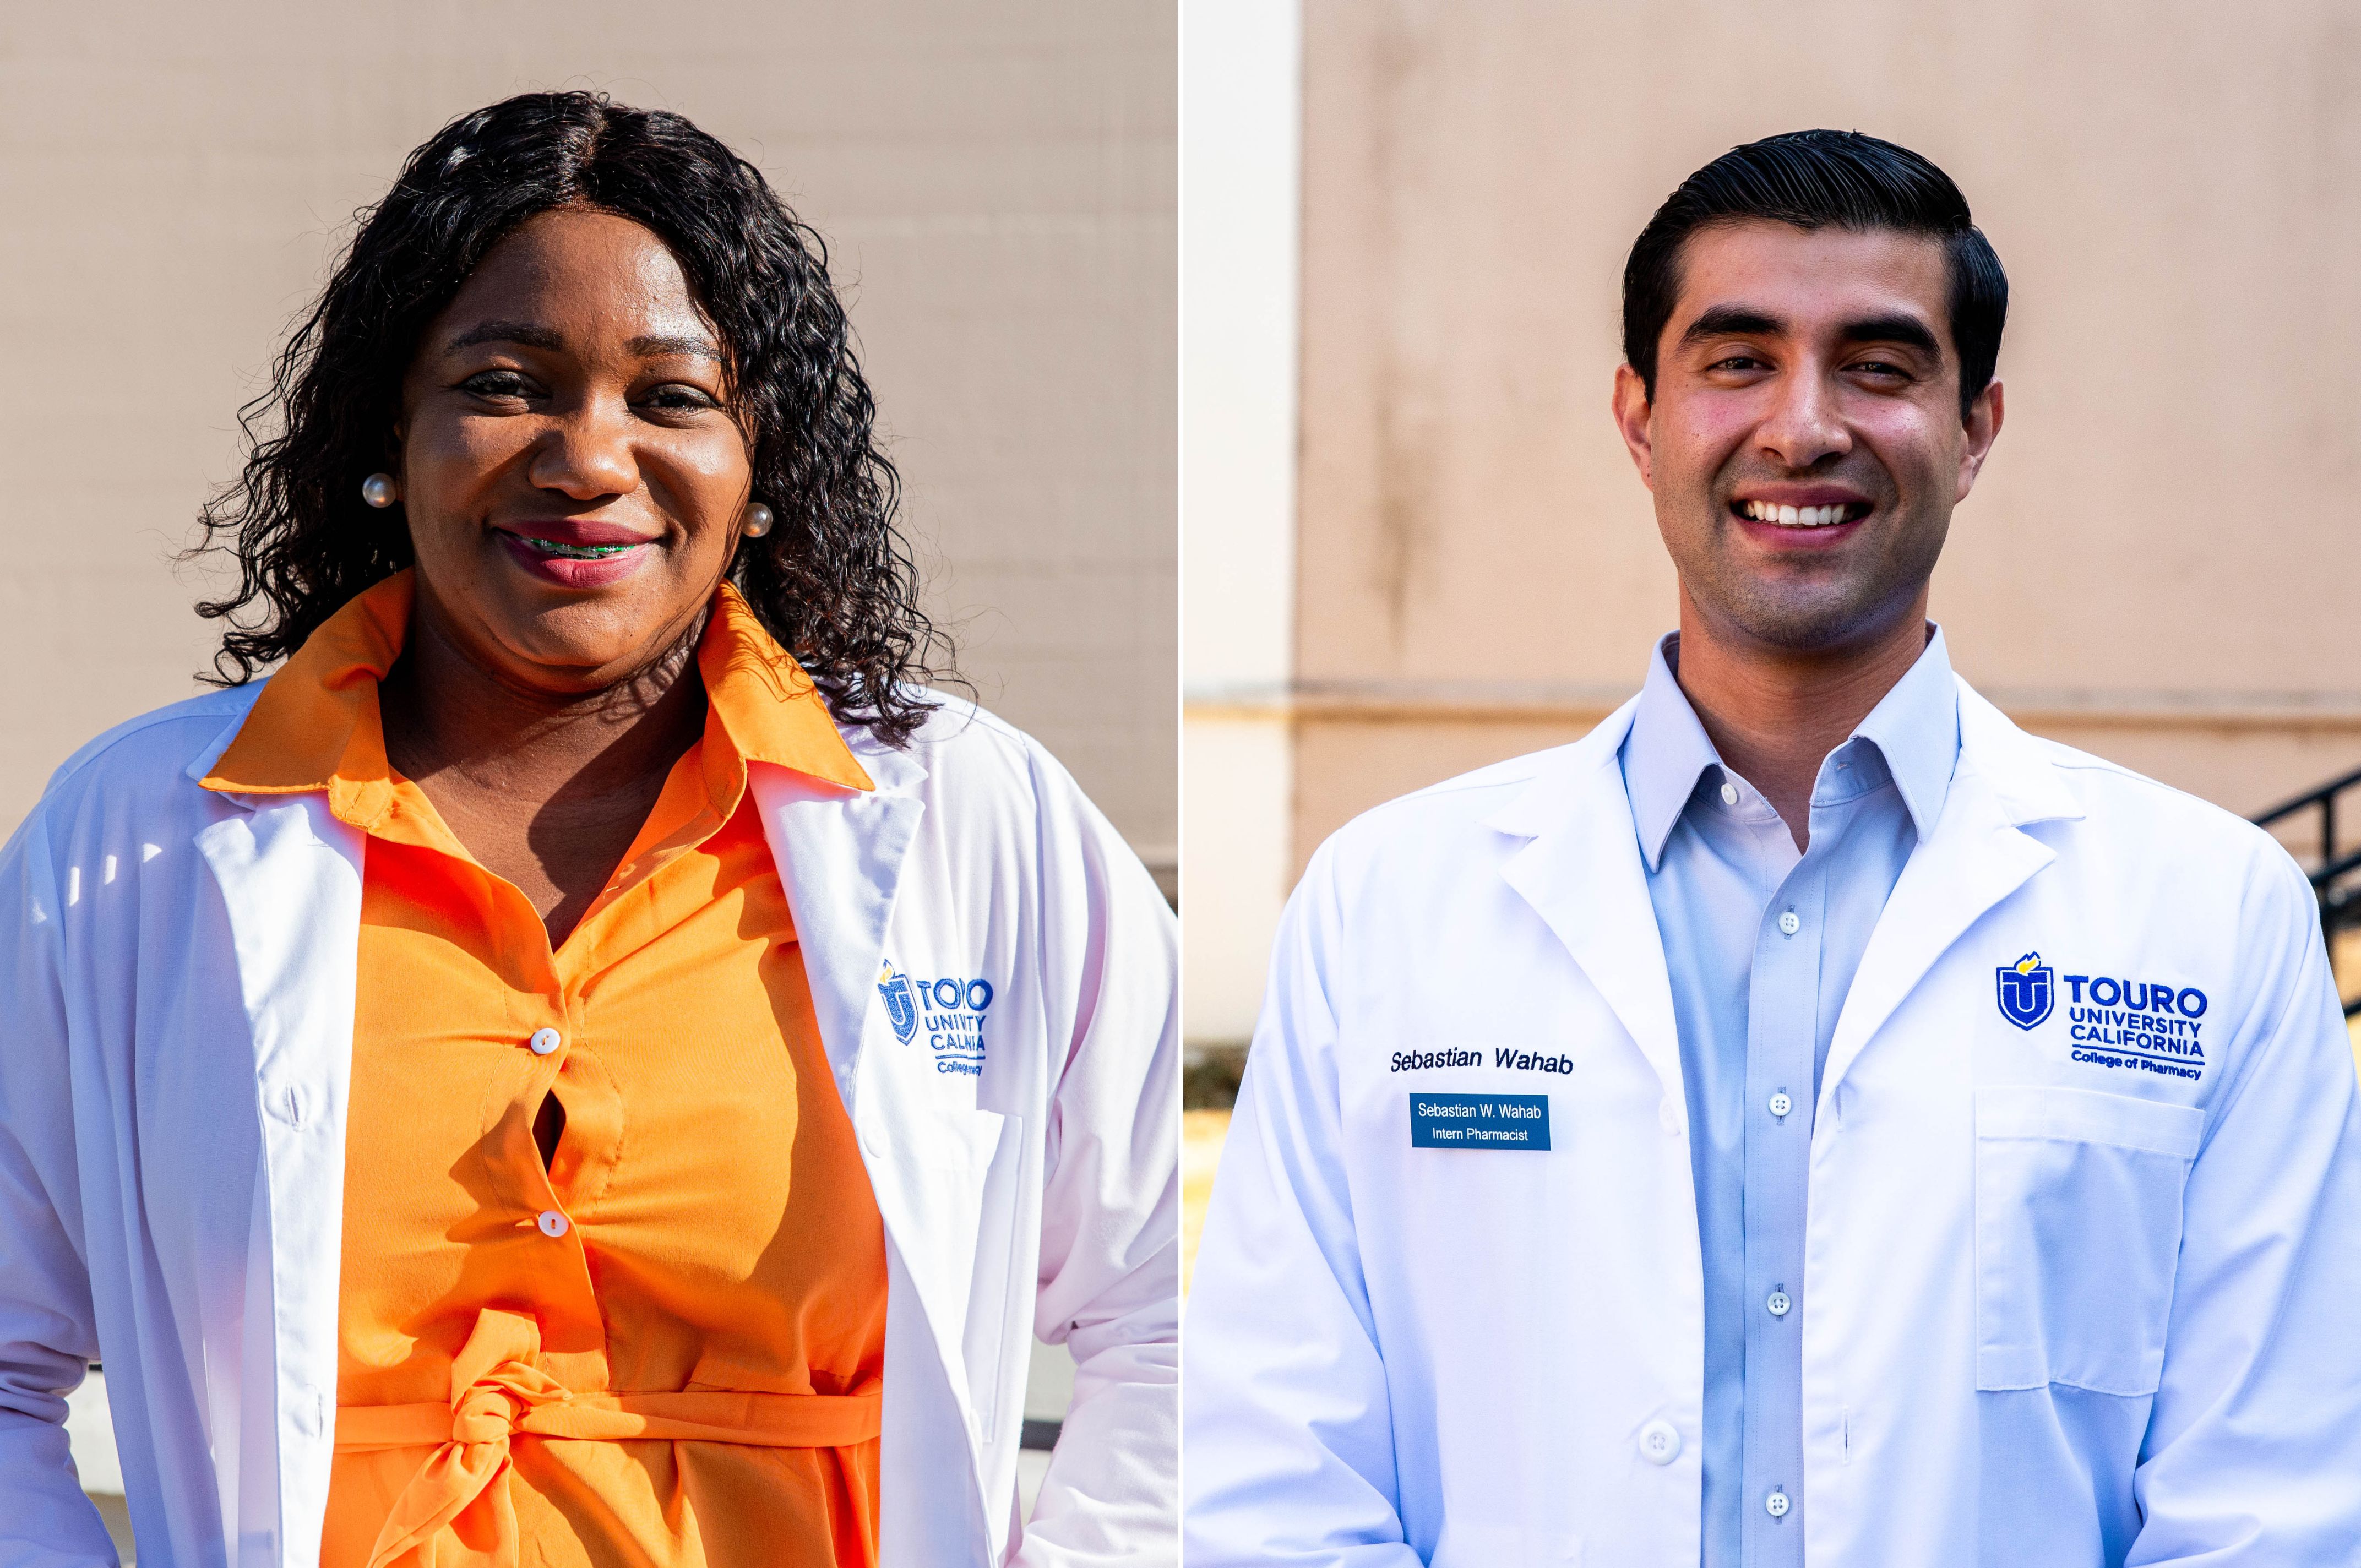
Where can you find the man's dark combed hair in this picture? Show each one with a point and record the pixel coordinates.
(833, 580)
(1812, 179)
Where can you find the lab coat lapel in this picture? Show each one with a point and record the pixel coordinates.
(290, 876)
(841, 855)
(1583, 875)
(1976, 857)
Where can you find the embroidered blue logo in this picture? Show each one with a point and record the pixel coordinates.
(949, 1011)
(900, 1006)
(2140, 1025)
(2026, 991)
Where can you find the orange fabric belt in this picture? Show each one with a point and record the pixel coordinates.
(762, 1420)
(497, 1392)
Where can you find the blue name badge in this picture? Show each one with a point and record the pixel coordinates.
(1479, 1122)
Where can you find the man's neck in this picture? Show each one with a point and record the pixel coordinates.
(1774, 713)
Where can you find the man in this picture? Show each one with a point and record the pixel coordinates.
(1809, 1119)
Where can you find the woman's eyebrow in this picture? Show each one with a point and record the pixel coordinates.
(656, 344)
(649, 346)
(523, 332)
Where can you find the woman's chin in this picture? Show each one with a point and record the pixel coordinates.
(566, 657)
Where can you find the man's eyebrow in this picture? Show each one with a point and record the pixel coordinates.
(523, 332)
(1733, 321)
(1894, 327)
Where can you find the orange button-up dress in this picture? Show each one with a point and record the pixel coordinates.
(665, 1347)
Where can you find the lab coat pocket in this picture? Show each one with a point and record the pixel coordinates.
(2078, 1230)
(953, 1137)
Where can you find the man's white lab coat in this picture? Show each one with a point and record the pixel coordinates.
(176, 1025)
(2083, 1275)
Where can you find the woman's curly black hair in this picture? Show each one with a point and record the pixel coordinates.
(833, 580)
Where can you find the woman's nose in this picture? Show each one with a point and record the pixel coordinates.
(587, 452)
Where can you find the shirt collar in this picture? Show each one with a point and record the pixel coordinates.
(1664, 754)
(1915, 727)
(317, 726)
(765, 702)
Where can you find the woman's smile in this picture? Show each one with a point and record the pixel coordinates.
(575, 553)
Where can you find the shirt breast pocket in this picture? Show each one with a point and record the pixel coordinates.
(2078, 1233)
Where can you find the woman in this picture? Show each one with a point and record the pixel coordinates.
(589, 1062)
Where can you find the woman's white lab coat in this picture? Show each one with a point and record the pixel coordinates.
(2082, 1262)
(176, 1025)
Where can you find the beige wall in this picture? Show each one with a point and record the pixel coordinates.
(2161, 561)
(997, 184)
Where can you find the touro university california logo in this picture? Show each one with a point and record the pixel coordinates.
(2027, 991)
(2152, 1025)
(951, 1012)
(899, 1006)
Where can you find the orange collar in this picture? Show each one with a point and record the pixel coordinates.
(316, 725)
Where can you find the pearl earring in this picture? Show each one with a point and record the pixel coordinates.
(758, 521)
(379, 491)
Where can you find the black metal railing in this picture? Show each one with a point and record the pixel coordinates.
(2337, 881)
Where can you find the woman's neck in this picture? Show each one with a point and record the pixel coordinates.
(445, 712)
(545, 789)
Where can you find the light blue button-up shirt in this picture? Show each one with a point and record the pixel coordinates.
(1761, 942)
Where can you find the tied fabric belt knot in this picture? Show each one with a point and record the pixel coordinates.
(457, 1510)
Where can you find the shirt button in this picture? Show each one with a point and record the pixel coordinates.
(545, 1041)
(552, 1222)
(1781, 1104)
(1730, 795)
(1789, 925)
(1779, 1303)
(1668, 1116)
(1660, 1443)
(1776, 1504)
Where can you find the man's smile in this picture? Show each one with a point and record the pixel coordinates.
(1784, 516)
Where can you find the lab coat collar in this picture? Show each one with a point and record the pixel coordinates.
(1581, 871)
(2022, 780)
(1978, 854)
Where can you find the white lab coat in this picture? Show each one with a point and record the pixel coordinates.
(176, 1023)
(2053, 1311)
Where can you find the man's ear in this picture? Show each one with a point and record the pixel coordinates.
(1630, 408)
(1983, 420)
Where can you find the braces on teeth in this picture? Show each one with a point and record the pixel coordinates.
(577, 551)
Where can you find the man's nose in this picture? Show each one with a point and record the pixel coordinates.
(586, 452)
(1804, 426)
